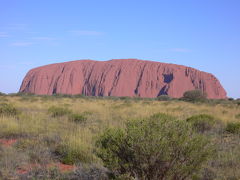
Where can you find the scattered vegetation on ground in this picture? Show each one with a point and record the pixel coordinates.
(37, 132)
(163, 98)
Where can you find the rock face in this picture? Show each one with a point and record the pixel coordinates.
(120, 77)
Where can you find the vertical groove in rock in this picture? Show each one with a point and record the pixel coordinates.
(139, 79)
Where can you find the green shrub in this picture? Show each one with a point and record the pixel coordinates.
(194, 95)
(159, 147)
(8, 110)
(233, 128)
(163, 98)
(70, 154)
(58, 111)
(202, 122)
(78, 118)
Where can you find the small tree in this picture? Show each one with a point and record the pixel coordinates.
(195, 95)
(157, 148)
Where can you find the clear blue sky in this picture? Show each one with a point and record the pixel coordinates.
(204, 34)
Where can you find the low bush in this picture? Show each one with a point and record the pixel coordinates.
(233, 128)
(194, 95)
(58, 111)
(163, 98)
(73, 154)
(8, 110)
(156, 148)
(78, 118)
(202, 122)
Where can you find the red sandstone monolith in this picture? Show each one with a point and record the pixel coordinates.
(120, 77)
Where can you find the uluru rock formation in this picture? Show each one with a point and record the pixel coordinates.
(120, 77)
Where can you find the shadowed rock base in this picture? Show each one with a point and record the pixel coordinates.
(120, 77)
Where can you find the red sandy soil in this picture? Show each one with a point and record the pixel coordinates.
(62, 167)
(8, 142)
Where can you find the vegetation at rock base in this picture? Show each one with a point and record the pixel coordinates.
(38, 141)
(194, 95)
(163, 98)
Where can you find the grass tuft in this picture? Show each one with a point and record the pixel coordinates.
(233, 128)
(55, 111)
(8, 110)
(77, 118)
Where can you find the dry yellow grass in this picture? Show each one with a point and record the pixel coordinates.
(104, 113)
(101, 113)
